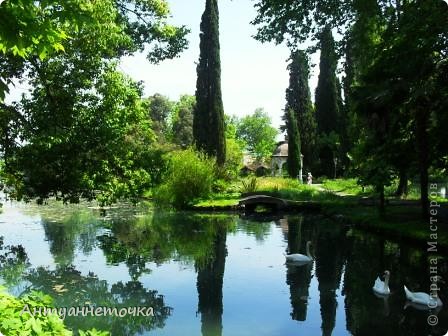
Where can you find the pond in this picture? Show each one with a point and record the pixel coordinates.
(214, 274)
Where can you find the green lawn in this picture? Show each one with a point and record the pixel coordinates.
(338, 197)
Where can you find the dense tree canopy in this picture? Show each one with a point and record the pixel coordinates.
(42, 28)
(160, 109)
(83, 131)
(398, 101)
(258, 134)
(390, 118)
(182, 131)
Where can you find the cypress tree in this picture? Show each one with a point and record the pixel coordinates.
(327, 106)
(208, 121)
(298, 99)
(294, 163)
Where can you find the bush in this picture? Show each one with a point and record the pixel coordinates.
(234, 159)
(250, 185)
(190, 176)
(16, 319)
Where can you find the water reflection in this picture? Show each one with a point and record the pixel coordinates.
(298, 278)
(69, 288)
(330, 253)
(77, 230)
(13, 263)
(209, 284)
(125, 258)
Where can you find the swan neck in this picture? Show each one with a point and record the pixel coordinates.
(386, 281)
(308, 250)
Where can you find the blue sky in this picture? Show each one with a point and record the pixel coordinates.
(253, 74)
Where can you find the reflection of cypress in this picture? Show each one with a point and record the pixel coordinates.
(210, 281)
(328, 306)
(294, 234)
(298, 277)
(329, 263)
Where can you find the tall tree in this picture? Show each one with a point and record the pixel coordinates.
(404, 99)
(394, 106)
(160, 108)
(359, 42)
(298, 99)
(208, 121)
(82, 129)
(327, 103)
(182, 130)
(258, 134)
(294, 160)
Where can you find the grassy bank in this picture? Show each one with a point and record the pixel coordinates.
(343, 199)
(401, 222)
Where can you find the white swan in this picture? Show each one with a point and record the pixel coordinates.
(423, 299)
(300, 258)
(382, 287)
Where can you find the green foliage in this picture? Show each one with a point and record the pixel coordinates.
(234, 159)
(294, 152)
(234, 151)
(300, 21)
(257, 133)
(400, 109)
(83, 131)
(249, 185)
(61, 158)
(155, 161)
(327, 107)
(160, 109)
(349, 186)
(42, 28)
(13, 262)
(292, 189)
(190, 176)
(93, 332)
(231, 127)
(182, 121)
(298, 99)
(15, 319)
(208, 121)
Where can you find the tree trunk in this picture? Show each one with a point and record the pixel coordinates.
(422, 120)
(382, 199)
(403, 184)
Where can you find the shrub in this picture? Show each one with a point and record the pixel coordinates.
(190, 176)
(250, 185)
(234, 161)
(16, 319)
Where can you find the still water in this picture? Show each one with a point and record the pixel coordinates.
(214, 274)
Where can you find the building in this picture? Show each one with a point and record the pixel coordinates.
(280, 158)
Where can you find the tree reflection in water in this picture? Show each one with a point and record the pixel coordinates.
(298, 278)
(144, 239)
(196, 239)
(209, 284)
(329, 264)
(69, 288)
